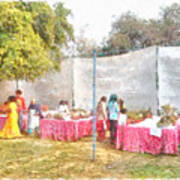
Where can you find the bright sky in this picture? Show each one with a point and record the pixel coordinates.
(97, 15)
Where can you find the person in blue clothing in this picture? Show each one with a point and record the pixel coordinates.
(113, 111)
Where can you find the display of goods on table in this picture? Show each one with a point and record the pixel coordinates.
(137, 116)
(79, 114)
(168, 116)
(74, 114)
(44, 108)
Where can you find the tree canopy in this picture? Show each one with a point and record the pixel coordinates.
(31, 37)
(128, 32)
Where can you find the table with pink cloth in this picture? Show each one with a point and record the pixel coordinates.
(2, 121)
(139, 139)
(4, 118)
(65, 130)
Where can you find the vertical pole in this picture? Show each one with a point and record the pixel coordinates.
(73, 101)
(157, 79)
(17, 84)
(94, 105)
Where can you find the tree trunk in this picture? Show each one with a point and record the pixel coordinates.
(17, 84)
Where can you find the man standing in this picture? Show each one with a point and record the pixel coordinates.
(21, 107)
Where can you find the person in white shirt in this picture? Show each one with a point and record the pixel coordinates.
(122, 117)
(63, 108)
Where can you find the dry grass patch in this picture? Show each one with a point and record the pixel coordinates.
(35, 158)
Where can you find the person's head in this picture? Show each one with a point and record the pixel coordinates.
(33, 101)
(6, 103)
(61, 102)
(113, 98)
(11, 99)
(18, 92)
(66, 103)
(103, 99)
(120, 101)
(123, 111)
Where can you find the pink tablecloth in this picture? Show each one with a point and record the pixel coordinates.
(2, 122)
(65, 130)
(138, 139)
(24, 122)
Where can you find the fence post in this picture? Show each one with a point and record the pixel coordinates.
(94, 105)
(157, 80)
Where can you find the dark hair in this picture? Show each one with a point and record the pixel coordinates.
(123, 111)
(121, 103)
(113, 98)
(66, 102)
(103, 98)
(61, 102)
(18, 91)
(6, 102)
(12, 99)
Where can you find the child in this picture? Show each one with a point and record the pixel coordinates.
(21, 107)
(122, 117)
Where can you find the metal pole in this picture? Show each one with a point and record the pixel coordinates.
(73, 101)
(157, 79)
(94, 105)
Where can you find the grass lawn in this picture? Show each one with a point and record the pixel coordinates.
(34, 158)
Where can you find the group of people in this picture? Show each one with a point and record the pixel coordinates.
(107, 114)
(113, 112)
(15, 107)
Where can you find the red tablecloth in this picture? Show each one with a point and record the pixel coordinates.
(138, 139)
(65, 130)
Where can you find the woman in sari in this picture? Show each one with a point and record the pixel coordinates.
(11, 128)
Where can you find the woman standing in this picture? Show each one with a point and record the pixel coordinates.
(35, 114)
(101, 117)
(113, 110)
(121, 104)
(11, 128)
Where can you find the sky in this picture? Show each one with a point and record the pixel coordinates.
(96, 16)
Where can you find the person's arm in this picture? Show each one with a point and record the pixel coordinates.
(104, 111)
(39, 110)
(117, 109)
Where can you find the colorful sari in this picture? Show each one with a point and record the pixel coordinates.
(11, 128)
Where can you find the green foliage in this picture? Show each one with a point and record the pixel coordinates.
(130, 32)
(28, 45)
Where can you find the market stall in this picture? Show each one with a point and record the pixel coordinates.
(146, 137)
(66, 127)
(65, 130)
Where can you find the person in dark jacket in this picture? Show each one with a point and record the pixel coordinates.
(35, 114)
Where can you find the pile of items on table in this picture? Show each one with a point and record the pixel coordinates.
(144, 132)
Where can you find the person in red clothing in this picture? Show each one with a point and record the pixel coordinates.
(21, 106)
(101, 118)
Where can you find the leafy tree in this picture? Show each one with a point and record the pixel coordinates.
(129, 31)
(130, 26)
(29, 46)
(170, 24)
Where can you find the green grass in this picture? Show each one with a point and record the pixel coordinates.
(35, 158)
